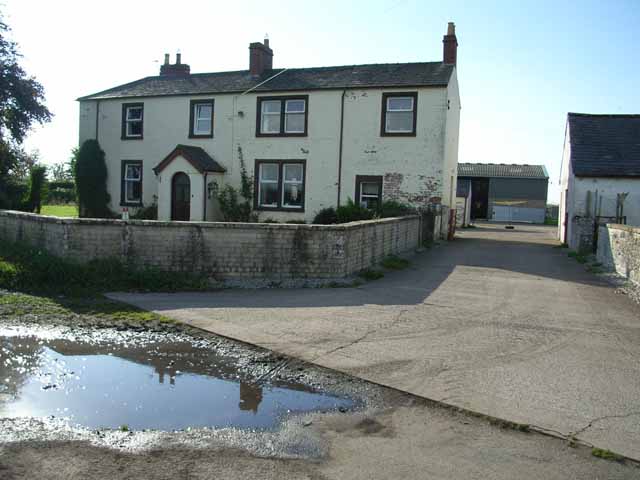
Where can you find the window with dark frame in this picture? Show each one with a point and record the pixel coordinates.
(201, 118)
(132, 121)
(399, 114)
(282, 116)
(280, 185)
(369, 191)
(131, 183)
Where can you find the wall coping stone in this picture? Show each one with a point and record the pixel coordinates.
(627, 228)
(212, 225)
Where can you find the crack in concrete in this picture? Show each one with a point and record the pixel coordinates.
(599, 419)
(394, 322)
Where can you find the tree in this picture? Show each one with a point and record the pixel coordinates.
(37, 187)
(21, 105)
(91, 181)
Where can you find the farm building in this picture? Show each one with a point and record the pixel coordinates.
(501, 192)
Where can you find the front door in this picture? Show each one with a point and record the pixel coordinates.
(180, 197)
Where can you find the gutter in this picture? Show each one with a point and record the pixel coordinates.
(344, 92)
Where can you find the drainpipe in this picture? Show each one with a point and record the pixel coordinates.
(344, 92)
(204, 196)
(97, 117)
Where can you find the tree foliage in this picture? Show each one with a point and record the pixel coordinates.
(91, 181)
(21, 106)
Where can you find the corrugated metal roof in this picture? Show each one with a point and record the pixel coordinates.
(426, 74)
(604, 145)
(501, 170)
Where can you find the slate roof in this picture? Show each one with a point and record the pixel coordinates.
(501, 170)
(196, 156)
(604, 145)
(428, 74)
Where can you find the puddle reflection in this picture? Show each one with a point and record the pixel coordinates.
(162, 386)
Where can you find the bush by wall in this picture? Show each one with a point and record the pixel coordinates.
(326, 216)
(352, 212)
(91, 181)
(37, 188)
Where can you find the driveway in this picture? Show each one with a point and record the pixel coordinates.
(497, 321)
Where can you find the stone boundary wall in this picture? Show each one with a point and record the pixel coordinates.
(217, 249)
(619, 250)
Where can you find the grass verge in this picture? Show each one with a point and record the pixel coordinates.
(60, 210)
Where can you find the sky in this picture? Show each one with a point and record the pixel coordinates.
(522, 65)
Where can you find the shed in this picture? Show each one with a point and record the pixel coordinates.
(504, 192)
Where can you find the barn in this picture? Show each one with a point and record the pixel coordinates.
(502, 192)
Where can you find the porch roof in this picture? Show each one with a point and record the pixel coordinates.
(196, 156)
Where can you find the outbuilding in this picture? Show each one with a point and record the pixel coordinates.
(502, 192)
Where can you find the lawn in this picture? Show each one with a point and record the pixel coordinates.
(60, 210)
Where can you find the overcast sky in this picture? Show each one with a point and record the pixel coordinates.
(521, 65)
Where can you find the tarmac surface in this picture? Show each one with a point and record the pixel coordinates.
(497, 321)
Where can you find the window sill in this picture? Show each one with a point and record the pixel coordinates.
(131, 204)
(132, 138)
(398, 134)
(279, 209)
(281, 134)
(196, 136)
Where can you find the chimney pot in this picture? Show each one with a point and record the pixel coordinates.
(450, 45)
(177, 69)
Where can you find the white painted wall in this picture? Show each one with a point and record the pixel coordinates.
(425, 162)
(607, 188)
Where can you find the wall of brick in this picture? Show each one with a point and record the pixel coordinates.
(220, 250)
(619, 250)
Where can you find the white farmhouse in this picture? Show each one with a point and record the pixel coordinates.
(600, 175)
(309, 138)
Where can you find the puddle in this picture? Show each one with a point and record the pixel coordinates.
(144, 384)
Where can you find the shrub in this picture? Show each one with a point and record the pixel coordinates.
(326, 216)
(392, 208)
(236, 205)
(351, 212)
(91, 181)
(61, 192)
(370, 274)
(37, 188)
(146, 213)
(14, 194)
(393, 262)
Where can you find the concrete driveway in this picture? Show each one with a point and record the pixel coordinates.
(497, 321)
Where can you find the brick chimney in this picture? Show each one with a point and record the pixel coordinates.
(260, 58)
(450, 42)
(177, 69)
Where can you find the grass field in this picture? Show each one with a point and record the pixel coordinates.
(60, 210)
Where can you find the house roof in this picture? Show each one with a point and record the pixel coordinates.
(196, 156)
(502, 170)
(604, 145)
(428, 74)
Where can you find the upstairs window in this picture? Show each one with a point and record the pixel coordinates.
(399, 114)
(201, 119)
(280, 185)
(282, 116)
(132, 121)
(131, 188)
